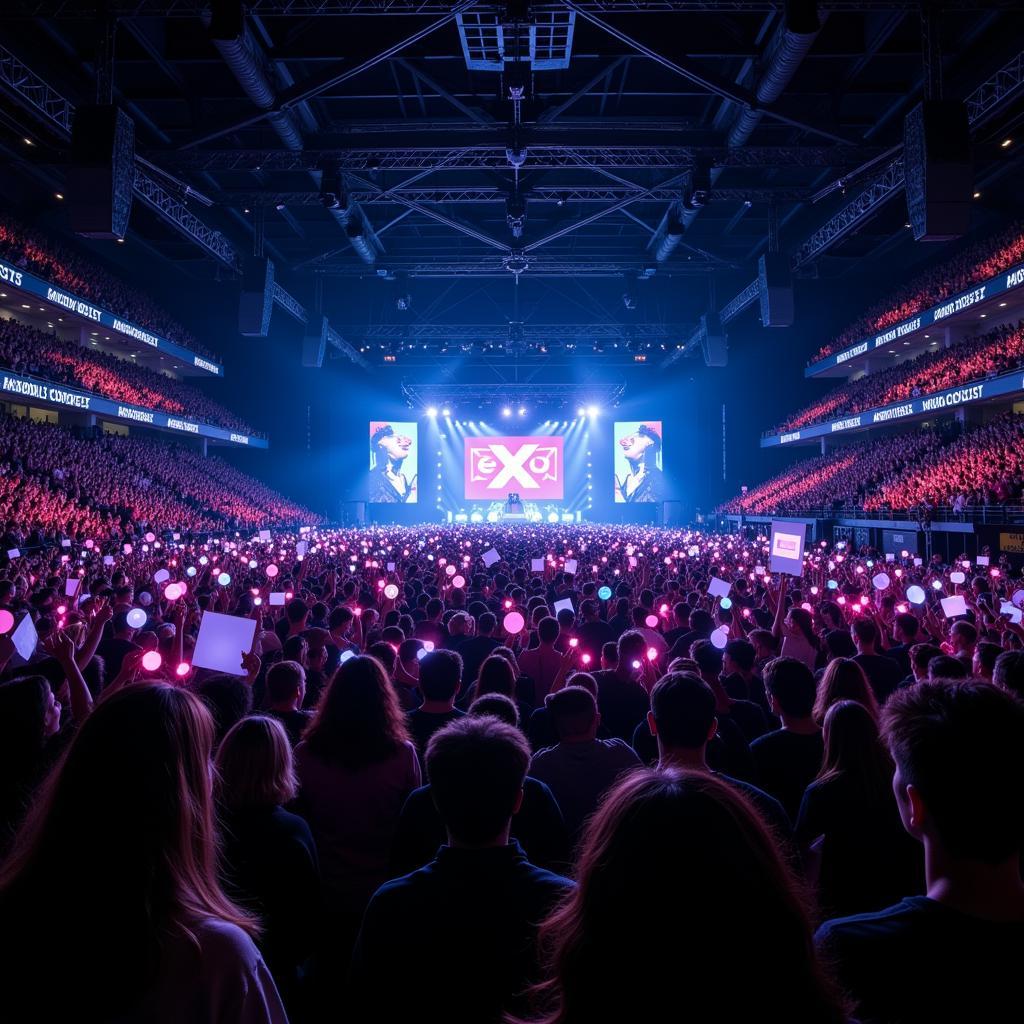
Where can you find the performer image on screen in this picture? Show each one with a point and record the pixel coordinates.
(645, 481)
(388, 452)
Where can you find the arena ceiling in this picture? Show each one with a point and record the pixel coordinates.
(629, 160)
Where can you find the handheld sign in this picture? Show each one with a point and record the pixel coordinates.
(954, 606)
(490, 557)
(719, 588)
(221, 641)
(25, 638)
(787, 548)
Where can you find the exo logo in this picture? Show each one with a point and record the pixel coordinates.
(786, 545)
(528, 464)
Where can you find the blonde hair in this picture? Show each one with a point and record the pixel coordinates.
(254, 765)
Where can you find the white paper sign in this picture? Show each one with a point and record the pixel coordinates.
(264, 535)
(536, 565)
(570, 566)
(490, 557)
(564, 603)
(953, 606)
(1007, 608)
(71, 586)
(25, 638)
(65, 543)
(983, 560)
(221, 641)
(719, 588)
(160, 575)
(14, 553)
(890, 557)
(918, 561)
(276, 598)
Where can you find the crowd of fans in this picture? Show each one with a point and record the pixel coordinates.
(932, 469)
(995, 352)
(63, 267)
(973, 264)
(436, 788)
(27, 350)
(55, 483)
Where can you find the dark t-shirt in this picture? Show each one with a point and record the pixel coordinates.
(593, 636)
(623, 704)
(473, 912)
(538, 826)
(785, 764)
(919, 962)
(884, 674)
(867, 859)
(423, 725)
(474, 651)
(270, 866)
(294, 722)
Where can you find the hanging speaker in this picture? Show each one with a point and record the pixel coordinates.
(776, 290)
(713, 341)
(314, 346)
(257, 299)
(101, 177)
(937, 169)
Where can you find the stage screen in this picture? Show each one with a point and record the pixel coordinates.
(532, 466)
(638, 462)
(394, 456)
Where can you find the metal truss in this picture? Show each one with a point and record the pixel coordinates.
(44, 100)
(996, 90)
(346, 349)
(460, 397)
(982, 103)
(504, 266)
(499, 157)
(532, 334)
(729, 311)
(290, 304)
(735, 306)
(174, 211)
(58, 112)
(492, 194)
(86, 9)
(852, 215)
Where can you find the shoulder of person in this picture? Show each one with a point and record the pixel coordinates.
(225, 946)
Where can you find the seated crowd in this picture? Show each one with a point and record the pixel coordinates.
(409, 799)
(26, 350)
(995, 352)
(975, 263)
(934, 468)
(65, 268)
(54, 483)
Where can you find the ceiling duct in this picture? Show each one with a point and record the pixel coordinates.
(789, 47)
(231, 37)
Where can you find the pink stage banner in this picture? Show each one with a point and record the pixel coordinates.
(531, 466)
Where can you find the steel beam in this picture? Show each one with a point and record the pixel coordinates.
(85, 9)
(496, 157)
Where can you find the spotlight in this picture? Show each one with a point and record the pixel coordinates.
(592, 410)
(506, 411)
(1006, 144)
(581, 411)
(446, 412)
(432, 411)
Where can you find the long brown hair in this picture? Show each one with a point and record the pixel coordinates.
(844, 679)
(359, 720)
(854, 750)
(683, 859)
(126, 821)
